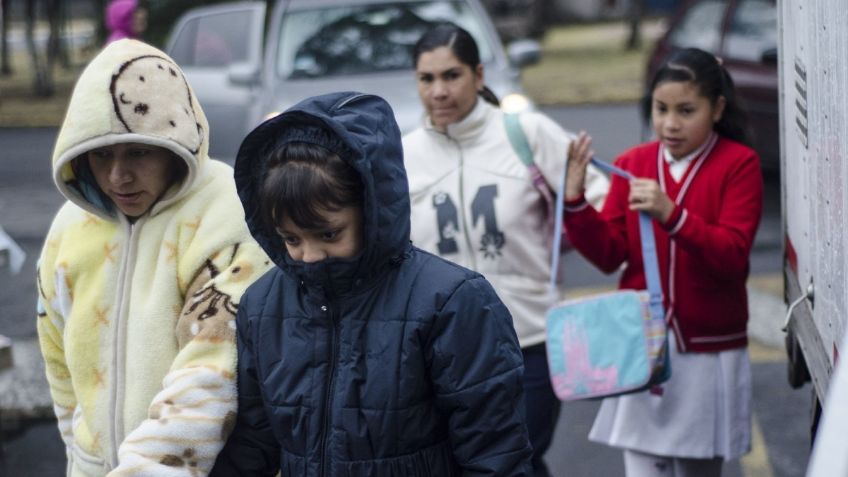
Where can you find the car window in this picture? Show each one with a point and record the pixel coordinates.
(213, 40)
(355, 39)
(753, 30)
(700, 27)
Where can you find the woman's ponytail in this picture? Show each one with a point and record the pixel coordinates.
(489, 96)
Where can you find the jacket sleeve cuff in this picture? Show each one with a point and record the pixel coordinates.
(676, 220)
(576, 205)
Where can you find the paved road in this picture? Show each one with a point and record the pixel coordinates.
(28, 201)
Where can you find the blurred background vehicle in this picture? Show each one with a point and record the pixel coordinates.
(245, 67)
(743, 33)
(532, 18)
(519, 18)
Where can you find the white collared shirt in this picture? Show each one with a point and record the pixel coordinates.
(677, 167)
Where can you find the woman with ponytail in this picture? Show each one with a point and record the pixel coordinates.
(702, 186)
(475, 203)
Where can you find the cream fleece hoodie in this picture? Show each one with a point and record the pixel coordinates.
(135, 319)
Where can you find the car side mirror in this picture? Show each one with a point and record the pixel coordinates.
(769, 56)
(524, 52)
(243, 74)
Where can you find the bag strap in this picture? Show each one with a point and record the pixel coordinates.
(646, 237)
(518, 140)
(522, 148)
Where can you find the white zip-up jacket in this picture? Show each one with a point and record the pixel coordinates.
(473, 202)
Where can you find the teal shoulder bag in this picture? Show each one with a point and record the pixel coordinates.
(613, 343)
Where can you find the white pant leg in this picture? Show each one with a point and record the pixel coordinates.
(639, 464)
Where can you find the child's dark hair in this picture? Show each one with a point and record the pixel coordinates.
(303, 181)
(704, 71)
(461, 43)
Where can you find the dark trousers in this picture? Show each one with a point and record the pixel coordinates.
(542, 405)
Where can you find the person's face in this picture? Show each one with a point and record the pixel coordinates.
(133, 175)
(341, 238)
(139, 21)
(447, 87)
(683, 119)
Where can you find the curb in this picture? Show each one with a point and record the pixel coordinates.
(24, 393)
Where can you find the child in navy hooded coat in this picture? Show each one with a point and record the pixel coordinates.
(360, 354)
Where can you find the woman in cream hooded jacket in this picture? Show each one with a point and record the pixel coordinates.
(135, 315)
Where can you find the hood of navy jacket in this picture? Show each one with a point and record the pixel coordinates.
(361, 129)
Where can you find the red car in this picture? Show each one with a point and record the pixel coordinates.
(743, 33)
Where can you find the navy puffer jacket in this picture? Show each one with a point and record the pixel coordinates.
(393, 363)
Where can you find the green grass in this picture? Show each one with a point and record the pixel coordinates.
(589, 64)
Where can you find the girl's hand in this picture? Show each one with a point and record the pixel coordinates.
(579, 154)
(647, 196)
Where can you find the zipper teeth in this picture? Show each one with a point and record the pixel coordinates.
(462, 214)
(329, 395)
(117, 409)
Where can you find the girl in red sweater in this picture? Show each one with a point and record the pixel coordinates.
(702, 186)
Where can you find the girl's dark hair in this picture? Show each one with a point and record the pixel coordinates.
(303, 181)
(461, 43)
(712, 80)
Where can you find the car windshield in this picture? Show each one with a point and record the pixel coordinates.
(355, 39)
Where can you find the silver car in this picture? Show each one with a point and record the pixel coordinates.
(244, 67)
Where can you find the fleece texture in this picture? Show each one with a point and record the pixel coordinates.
(136, 317)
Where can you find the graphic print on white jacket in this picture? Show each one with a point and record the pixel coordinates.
(473, 203)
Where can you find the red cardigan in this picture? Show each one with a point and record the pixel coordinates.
(703, 248)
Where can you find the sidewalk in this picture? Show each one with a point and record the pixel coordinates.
(24, 393)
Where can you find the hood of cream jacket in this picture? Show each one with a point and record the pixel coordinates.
(136, 317)
(130, 92)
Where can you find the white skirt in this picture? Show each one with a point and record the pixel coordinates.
(703, 411)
